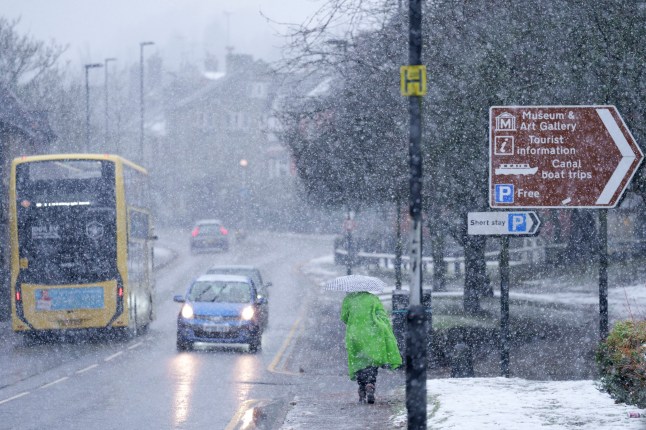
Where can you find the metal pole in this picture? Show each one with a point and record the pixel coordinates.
(140, 156)
(348, 244)
(87, 109)
(416, 333)
(87, 103)
(107, 125)
(141, 100)
(504, 306)
(603, 274)
(398, 247)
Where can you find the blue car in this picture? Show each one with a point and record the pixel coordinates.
(220, 309)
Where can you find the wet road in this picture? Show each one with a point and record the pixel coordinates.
(143, 382)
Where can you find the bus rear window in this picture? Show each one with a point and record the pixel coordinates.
(66, 183)
(64, 169)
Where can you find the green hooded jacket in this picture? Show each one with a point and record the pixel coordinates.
(369, 337)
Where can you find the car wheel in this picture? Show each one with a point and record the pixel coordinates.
(183, 345)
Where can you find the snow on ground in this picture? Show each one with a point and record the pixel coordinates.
(511, 404)
(624, 302)
(501, 403)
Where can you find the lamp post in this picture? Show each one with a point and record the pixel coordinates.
(243, 194)
(107, 125)
(87, 102)
(141, 98)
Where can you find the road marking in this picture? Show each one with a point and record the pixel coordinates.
(17, 396)
(55, 382)
(78, 372)
(285, 345)
(115, 355)
(136, 345)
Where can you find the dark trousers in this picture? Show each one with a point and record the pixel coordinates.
(367, 376)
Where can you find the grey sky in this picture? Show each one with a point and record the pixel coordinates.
(182, 29)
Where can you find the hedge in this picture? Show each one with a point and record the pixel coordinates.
(621, 360)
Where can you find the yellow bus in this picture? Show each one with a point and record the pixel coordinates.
(81, 244)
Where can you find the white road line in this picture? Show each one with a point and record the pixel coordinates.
(55, 382)
(17, 396)
(78, 372)
(113, 356)
(136, 345)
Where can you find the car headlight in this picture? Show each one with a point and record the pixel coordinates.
(187, 311)
(247, 313)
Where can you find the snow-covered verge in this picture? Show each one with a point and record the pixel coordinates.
(511, 404)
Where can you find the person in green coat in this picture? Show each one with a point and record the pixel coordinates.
(369, 340)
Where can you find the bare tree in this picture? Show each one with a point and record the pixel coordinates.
(23, 60)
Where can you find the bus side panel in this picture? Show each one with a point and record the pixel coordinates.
(122, 320)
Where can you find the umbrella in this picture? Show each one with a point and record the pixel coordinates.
(356, 283)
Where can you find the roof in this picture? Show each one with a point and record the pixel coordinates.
(15, 115)
(99, 157)
(233, 266)
(225, 278)
(208, 221)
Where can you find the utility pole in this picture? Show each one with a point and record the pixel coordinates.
(141, 99)
(87, 102)
(413, 85)
(107, 115)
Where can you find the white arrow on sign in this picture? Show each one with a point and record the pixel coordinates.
(627, 157)
(516, 223)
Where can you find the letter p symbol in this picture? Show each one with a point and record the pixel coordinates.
(504, 193)
(517, 223)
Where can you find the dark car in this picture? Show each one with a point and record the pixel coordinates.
(253, 273)
(209, 235)
(220, 309)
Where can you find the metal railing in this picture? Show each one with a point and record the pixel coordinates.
(532, 252)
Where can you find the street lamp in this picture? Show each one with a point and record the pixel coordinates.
(107, 125)
(243, 194)
(141, 98)
(87, 102)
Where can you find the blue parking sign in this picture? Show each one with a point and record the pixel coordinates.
(517, 223)
(504, 193)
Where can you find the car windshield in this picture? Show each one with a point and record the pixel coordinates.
(250, 273)
(220, 292)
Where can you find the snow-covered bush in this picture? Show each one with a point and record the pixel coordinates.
(621, 361)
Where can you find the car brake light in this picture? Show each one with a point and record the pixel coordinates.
(17, 296)
(195, 231)
(224, 231)
(120, 291)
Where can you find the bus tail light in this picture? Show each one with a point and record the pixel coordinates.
(224, 231)
(195, 231)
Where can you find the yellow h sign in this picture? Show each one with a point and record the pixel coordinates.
(413, 80)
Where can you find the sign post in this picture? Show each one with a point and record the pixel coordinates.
(413, 86)
(503, 224)
(562, 157)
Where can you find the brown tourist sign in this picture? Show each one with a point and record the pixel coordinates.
(559, 156)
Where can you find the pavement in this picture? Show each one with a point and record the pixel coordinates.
(328, 400)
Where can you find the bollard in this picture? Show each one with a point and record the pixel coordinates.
(462, 361)
(426, 303)
(400, 310)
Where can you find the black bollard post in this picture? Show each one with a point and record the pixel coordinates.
(400, 310)
(426, 303)
(416, 368)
